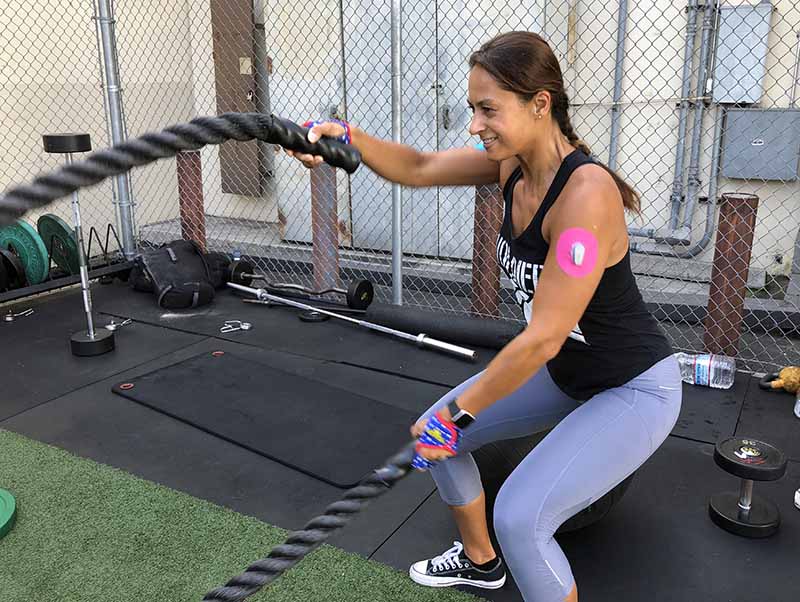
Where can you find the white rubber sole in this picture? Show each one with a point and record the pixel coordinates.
(429, 581)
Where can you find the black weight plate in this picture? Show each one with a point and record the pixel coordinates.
(240, 271)
(26, 243)
(749, 458)
(360, 294)
(313, 316)
(4, 279)
(14, 268)
(762, 520)
(59, 239)
(84, 345)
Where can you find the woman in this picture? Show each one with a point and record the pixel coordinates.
(592, 364)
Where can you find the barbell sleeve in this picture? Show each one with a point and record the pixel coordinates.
(426, 341)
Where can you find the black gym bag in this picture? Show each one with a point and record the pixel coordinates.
(177, 273)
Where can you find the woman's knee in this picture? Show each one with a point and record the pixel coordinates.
(513, 519)
(524, 515)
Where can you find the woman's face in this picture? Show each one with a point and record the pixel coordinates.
(504, 123)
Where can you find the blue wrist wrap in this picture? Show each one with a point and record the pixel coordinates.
(347, 135)
(438, 434)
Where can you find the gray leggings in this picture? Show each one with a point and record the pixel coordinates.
(593, 446)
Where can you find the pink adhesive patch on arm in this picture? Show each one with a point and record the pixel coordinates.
(576, 252)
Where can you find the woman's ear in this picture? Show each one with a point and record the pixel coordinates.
(541, 104)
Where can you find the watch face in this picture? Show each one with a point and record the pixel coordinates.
(460, 418)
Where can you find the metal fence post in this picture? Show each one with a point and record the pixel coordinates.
(106, 22)
(397, 128)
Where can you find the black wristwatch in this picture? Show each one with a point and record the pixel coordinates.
(461, 418)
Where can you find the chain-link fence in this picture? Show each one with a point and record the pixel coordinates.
(51, 81)
(692, 103)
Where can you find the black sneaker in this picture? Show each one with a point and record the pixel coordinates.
(454, 568)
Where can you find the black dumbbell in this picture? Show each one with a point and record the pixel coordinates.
(743, 513)
(359, 293)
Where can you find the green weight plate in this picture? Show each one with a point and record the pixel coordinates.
(59, 240)
(8, 512)
(29, 247)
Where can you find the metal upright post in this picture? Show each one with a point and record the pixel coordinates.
(397, 127)
(106, 23)
(82, 260)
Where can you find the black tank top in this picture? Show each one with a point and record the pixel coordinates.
(617, 338)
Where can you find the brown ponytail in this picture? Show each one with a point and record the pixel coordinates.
(523, 63)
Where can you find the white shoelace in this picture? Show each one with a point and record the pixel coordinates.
(449, 560)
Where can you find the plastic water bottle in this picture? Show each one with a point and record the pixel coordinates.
(707, 369)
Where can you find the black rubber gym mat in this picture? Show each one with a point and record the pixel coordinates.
(35, 358)
(769, 416)
(328, 433)
(278, 328)
(710, 414)
(657, 544)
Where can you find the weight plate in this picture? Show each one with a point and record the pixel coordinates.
(313, 316)
(8, 512)
(84, 345)
(14, 269)
(26, 243)
(4, 279)
(360, 294)
(750, 459)
(240, 272)
(762, 520)
(59, 240)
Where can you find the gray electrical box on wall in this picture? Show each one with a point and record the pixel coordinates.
(741, 53)
(761, 144)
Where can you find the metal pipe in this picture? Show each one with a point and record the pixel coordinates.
(616, 109)
(106, 23)
(82, 262)
(345, 106)
(796, 73)
(106, 113)
(261, 95)
(688, 58)
(128, 176)
(422, 340)
(693, 187)
(397, 128)
(711, 214)
(645, 232)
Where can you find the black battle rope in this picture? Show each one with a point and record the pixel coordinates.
(192, 136)
(153, 146)
(301, 543)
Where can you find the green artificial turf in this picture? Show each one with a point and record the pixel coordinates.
(89, 532)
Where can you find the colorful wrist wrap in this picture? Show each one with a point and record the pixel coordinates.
(347, 136)
(438, 434)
